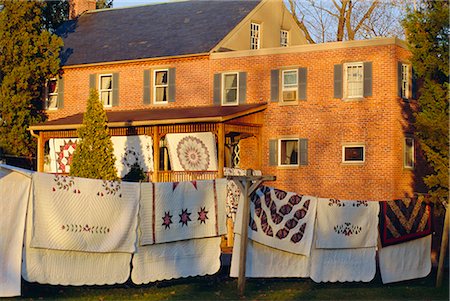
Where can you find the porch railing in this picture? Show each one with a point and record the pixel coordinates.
(179, 176)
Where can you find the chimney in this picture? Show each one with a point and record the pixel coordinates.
(77, 7)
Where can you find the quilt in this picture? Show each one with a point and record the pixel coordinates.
(266, 262)
(173, 211)
(404, 220)
(77, 214)
(57, 267)
(281, 220)
(14, 195)
(346, 224)
(129, 150)
(405, 261)
(192, 151)
(195, 257)
(61, 154)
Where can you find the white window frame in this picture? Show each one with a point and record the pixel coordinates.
(412, 154)
(284, 38)
(291, 88)
(48, 95)
(347, 66)
(223, 92)
(344, 146)
(405, 81)
(280, 164)
(255, 35)
(100, 90)
(160, 86)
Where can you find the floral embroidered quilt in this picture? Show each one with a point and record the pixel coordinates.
(346, 224)
(174, 211)
(192, 151)
(281, 220)
(404, 220)
(78, 214)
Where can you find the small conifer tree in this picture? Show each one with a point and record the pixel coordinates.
(94, 156)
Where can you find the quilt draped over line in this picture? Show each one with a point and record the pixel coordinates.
(77, 214)
(174, 211)
(192, 151)
(281, 220)
(346, 224)
(14, 193)
(404, 220)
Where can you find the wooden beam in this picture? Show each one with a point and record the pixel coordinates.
(155, 154)
(443, 251)
(221, 149)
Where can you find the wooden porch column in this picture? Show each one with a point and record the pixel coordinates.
(155, 153)
(221, 149)
(40, 150)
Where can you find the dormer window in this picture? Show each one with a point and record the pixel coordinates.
(51, 94)
(284, 38)
(255, 34)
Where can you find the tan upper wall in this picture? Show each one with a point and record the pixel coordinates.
(273, 16)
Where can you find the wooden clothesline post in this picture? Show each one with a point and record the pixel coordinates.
(247, 184)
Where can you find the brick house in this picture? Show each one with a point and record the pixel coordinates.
(331, 119)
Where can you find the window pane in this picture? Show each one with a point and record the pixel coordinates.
(52, 86)
(231, 96)
(289, 95)
(161, 77)
(106, 82)
(289, 152)
(409, 152)
(52, 102)
(354, 153)
(105, 97)
(161, 94)
(230, 81)
(290, 78)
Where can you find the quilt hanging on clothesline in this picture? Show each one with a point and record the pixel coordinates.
(281, 220)
(128, 150)
(78, 214)
(173, 211)
(192, 151)
(404, 220)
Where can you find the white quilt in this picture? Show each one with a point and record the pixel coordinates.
(14, 193)
(346, 224)
(267, 262)
(192, 151)
(281, 220)
(61, 154)
(175, 211)
(129, 150)
(195, 257)
(77, 214)
(71, 268)
(405, 261)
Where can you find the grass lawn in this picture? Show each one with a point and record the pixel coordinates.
(221, 287)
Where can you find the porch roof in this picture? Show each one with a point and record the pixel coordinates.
(157, 116)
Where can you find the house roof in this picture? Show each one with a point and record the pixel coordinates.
(150, 31)
(145, 117)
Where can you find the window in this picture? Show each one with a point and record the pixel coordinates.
(289, 85)
(284, 38)
(51, 94)
(353, 154)
(288, 154)
(405, 81)
(160, 86)
(230, 92)
(106, 90)
(254, 35)
(354, 75)
(409, 153)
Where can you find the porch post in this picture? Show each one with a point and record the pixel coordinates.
(155, 153)
(221, 149)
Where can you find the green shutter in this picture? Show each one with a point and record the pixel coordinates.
(273, 152)
(217, 97)
(242, 87)
(60, 99)
(147, 87)
(399, 78)
(303, 151)
(171, 75)
(274, 85)
(367, 79)
(338, 81)
(92, 81)
(115, 89)
(302, 73)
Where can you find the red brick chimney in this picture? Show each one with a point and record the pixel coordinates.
(77, 7)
